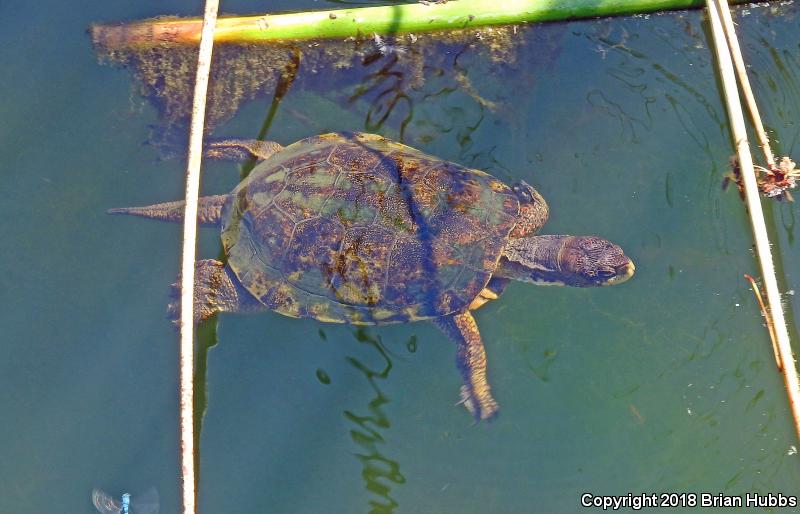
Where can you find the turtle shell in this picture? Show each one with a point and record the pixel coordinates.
(350, 227)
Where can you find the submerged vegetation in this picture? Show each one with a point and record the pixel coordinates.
(240, 73)
(378, 471)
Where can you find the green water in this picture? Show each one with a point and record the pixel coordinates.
(665, 383)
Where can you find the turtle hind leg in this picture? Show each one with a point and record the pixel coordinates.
(216, 289)
(476, 393)
(241, 149)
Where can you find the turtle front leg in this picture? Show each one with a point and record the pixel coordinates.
(241, 149)
(216, 289)
(471, 360)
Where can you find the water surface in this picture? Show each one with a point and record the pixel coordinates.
(665, 383)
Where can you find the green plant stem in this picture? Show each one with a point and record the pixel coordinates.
(365, 21)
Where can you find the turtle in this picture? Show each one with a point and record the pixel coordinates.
(356, 228)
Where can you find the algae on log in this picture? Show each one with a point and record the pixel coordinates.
(242, 72)
(358, 22)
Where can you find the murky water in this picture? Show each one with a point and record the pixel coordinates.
(665, 383)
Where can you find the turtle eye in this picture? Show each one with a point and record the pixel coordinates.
(524, 190)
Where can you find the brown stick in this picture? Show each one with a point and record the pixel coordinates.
(755, 210)
(767, 320)
(744, 82)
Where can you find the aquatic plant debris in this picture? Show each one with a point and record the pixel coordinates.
(243, 72)
(253, 50)
(773, 182)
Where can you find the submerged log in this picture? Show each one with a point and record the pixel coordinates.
(365, 21)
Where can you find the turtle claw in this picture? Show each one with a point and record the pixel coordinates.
(174, 307)
(468, 402)
(473, 405)
(174, 313)
(202, 310)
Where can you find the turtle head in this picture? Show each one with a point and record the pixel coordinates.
(578, 261)
(593, 261)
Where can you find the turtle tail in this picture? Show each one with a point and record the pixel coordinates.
(209, 210)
